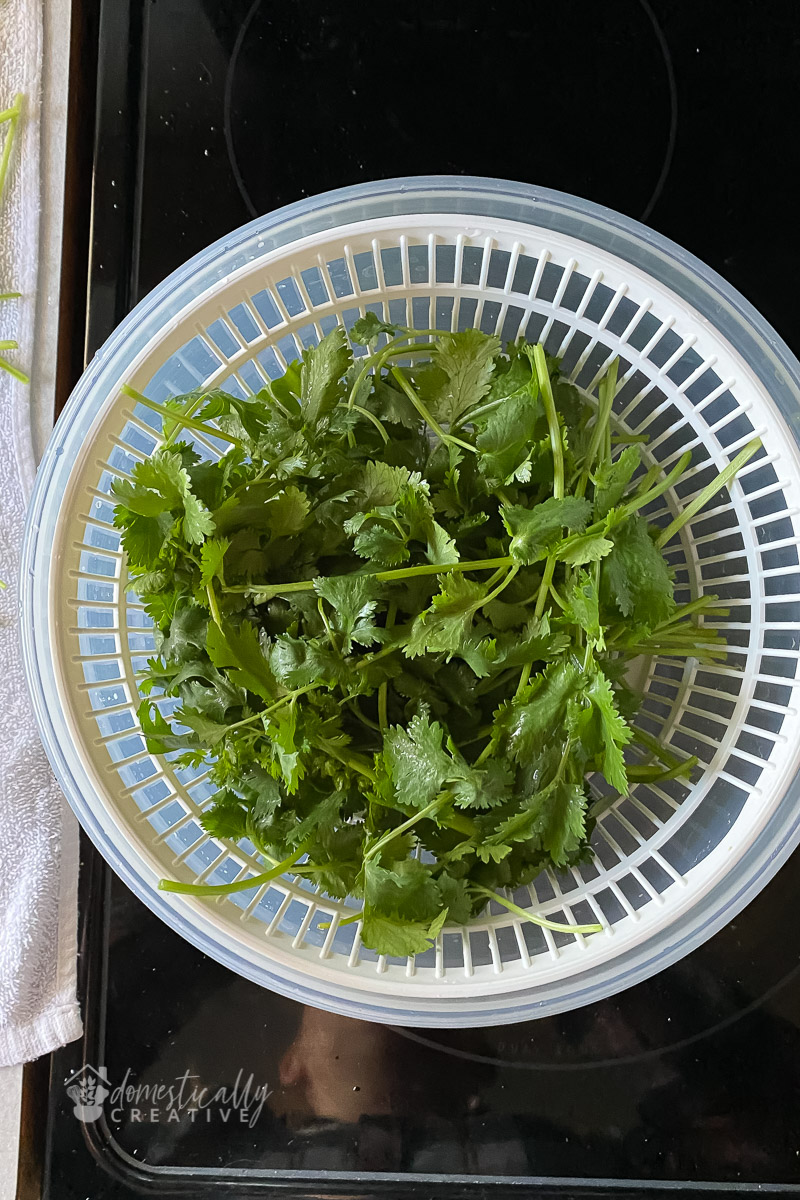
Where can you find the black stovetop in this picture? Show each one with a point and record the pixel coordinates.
(210, 112)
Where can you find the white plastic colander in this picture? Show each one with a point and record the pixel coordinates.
(700, 370)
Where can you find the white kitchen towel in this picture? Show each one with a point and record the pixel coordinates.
(38, 833)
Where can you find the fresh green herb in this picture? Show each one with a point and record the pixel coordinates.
(397, 613)
(8, 124)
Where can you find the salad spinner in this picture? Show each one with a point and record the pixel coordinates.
(700, 370)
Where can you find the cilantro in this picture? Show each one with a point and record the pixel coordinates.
(637, 575)
(461, 375)
(321, 376)
(369, 327)
(535, 531)
(396, 615)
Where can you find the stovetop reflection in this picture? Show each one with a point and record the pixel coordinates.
(693, 1074)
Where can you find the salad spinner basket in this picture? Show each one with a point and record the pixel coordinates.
(699, 370)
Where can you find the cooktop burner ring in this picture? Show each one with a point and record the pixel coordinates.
(652, 26)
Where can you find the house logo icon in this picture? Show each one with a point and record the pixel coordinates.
(87, 1089)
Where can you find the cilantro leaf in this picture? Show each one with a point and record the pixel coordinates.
(212, 556)
(226, 817)
(505, 441)
(407, 891)
(535, 531)
(417, 761)
(615, 732)
(161, 484)
(559, 820)
(441, 547)
(395, 938)
(586, 548)
(583, 609)
(464, 363)
(637, 575)
(354, 602)
(286, 513)
(186, 638)
(448, 621)
(369, 327)
(298, 662)
(287, 745)
(384, 547)
(612, 479)
(537, 717)
(321, 374)
(238, 652)
(143, 538)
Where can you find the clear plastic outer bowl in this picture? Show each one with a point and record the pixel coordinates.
(739, 849)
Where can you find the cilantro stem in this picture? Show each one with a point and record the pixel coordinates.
(241, 885)
(383, 690)
(371, 417)
(426, 416)
(544, 586)
(477, 412)
(268, 590)
(555, 596)
(536, 920)
(493, 595)
(290, 698)
(328, 630)
(662, 752)
(652, 493)
(525, 675)
(212, 604)
(488, 685)
(12, 116)
(14, 371)
(10, 295)
(453, 820)
(246, 721)
(557, 446)
(351, 920)
(476, 737)
(354, 761)
(686, 610)
(167, 414)
(601, 424)
(375, 362)
(484, 754)
(687, 650)
(369, 659)
(427, 811)
(189, 411)
(362, 717)
(636, 502)
(649, 774)
(699, 502)
(553, 424)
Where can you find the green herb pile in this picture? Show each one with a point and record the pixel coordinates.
(398, 613)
